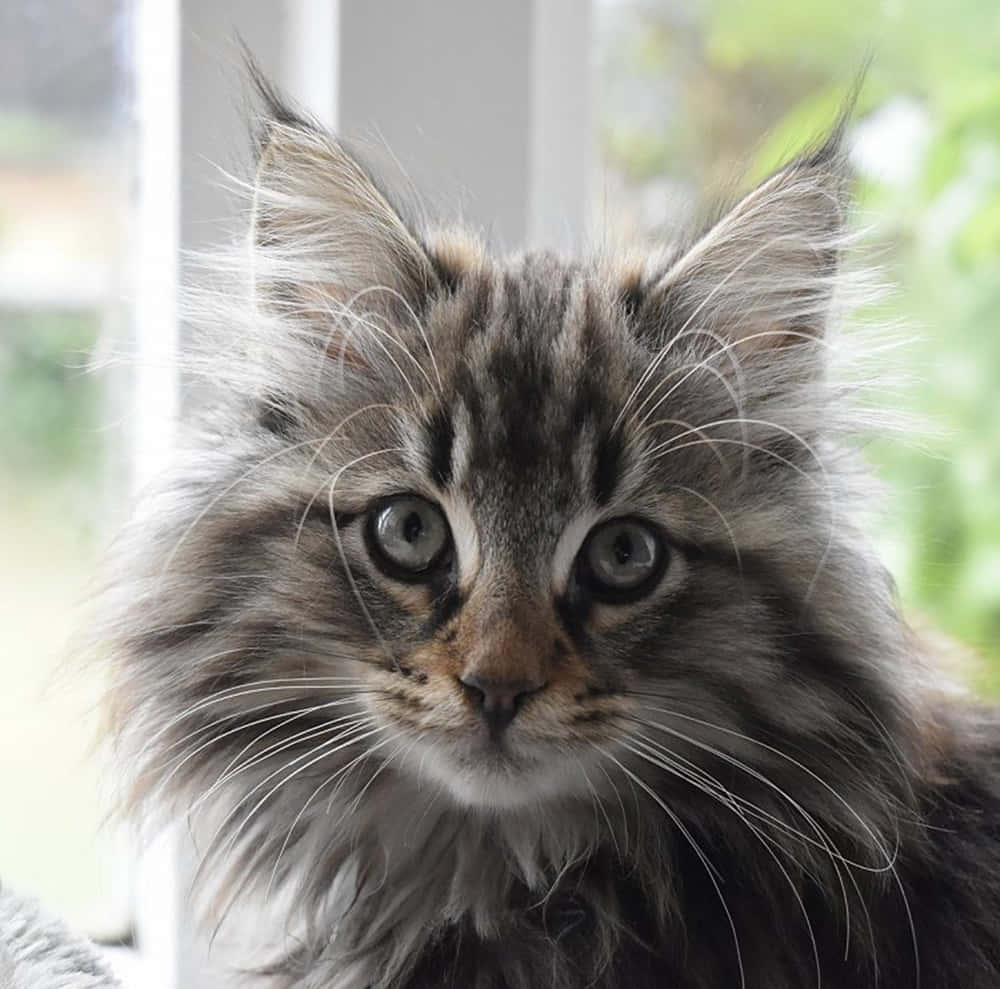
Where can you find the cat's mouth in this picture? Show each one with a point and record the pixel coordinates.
(492, 773)
(479, 767)
(535, 748)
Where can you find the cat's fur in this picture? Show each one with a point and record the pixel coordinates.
(742, 778)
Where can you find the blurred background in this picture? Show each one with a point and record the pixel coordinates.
(682, 97)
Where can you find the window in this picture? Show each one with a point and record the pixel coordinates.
(65, 195)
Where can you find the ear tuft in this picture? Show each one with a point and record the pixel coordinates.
(326, 240)
(764, 274)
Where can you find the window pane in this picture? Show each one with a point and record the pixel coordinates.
(64, 212)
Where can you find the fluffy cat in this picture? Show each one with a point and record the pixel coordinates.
(507, 626)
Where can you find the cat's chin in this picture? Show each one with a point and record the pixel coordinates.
(491, 780)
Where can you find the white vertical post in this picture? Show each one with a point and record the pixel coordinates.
(155, 270)
(155, 387)
(311, 57)
(561, 134)
(484, 104)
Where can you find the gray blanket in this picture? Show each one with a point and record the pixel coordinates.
(38, 952)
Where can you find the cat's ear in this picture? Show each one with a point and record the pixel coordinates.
(325, 238)
(763, 276)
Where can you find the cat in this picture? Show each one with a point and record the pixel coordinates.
(507, 625)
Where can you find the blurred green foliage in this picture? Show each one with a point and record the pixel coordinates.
(32, 138)
(698, 92)
(51, 406)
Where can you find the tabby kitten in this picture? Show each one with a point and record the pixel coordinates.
(507, 626)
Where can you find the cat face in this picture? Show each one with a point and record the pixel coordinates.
(508, 530)
(515, 560)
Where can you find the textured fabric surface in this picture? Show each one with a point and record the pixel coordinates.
(38, 952)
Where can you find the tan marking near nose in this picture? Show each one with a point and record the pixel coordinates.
(506, 640)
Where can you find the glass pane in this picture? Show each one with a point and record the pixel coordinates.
(692, 95)
(64, 213)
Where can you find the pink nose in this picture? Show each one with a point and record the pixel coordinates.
(496, 699)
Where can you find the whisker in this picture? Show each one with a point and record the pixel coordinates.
(357, 320)
(829, 847)
(876, 840)
(289, 717)
(416, 322)
(236, 768)
(347, 735)
(284, 451)
(327, 749)
(358, 685)
(329, 436)
(706, 864)
(315, 793)
(826, 487)
(244, 690)
(657, 360)
(722, 518)
(823, 841)
(714, 789)
(599, 807)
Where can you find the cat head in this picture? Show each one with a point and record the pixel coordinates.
(514, 531)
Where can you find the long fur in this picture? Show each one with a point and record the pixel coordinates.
(746, 778)
(39, 952)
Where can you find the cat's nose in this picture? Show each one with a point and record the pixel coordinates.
(497, 699)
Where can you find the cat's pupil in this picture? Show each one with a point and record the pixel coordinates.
(623, 548)
(413, 527)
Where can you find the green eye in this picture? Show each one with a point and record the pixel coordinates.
(622, 559)
(408, 536)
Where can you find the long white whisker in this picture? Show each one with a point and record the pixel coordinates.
(326, 439)
(416, 322)
(706, 864)
(358, 686)
(235, 768)
(346, 735)
(824, 842)
(704, 782)
(288, 717)
(650, 369)
(244, 690)
(358, 320)
(722, 518)
(876, 840)
(826, 487)
(305, 806)
(689, 371)
(328, 748)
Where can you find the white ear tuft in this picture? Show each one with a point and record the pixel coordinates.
(764, 274)
(323, 234)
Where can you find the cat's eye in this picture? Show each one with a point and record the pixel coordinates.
(408, 536)
(622, 559)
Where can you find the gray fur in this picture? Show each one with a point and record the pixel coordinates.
(718, 779)
(38, 952)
